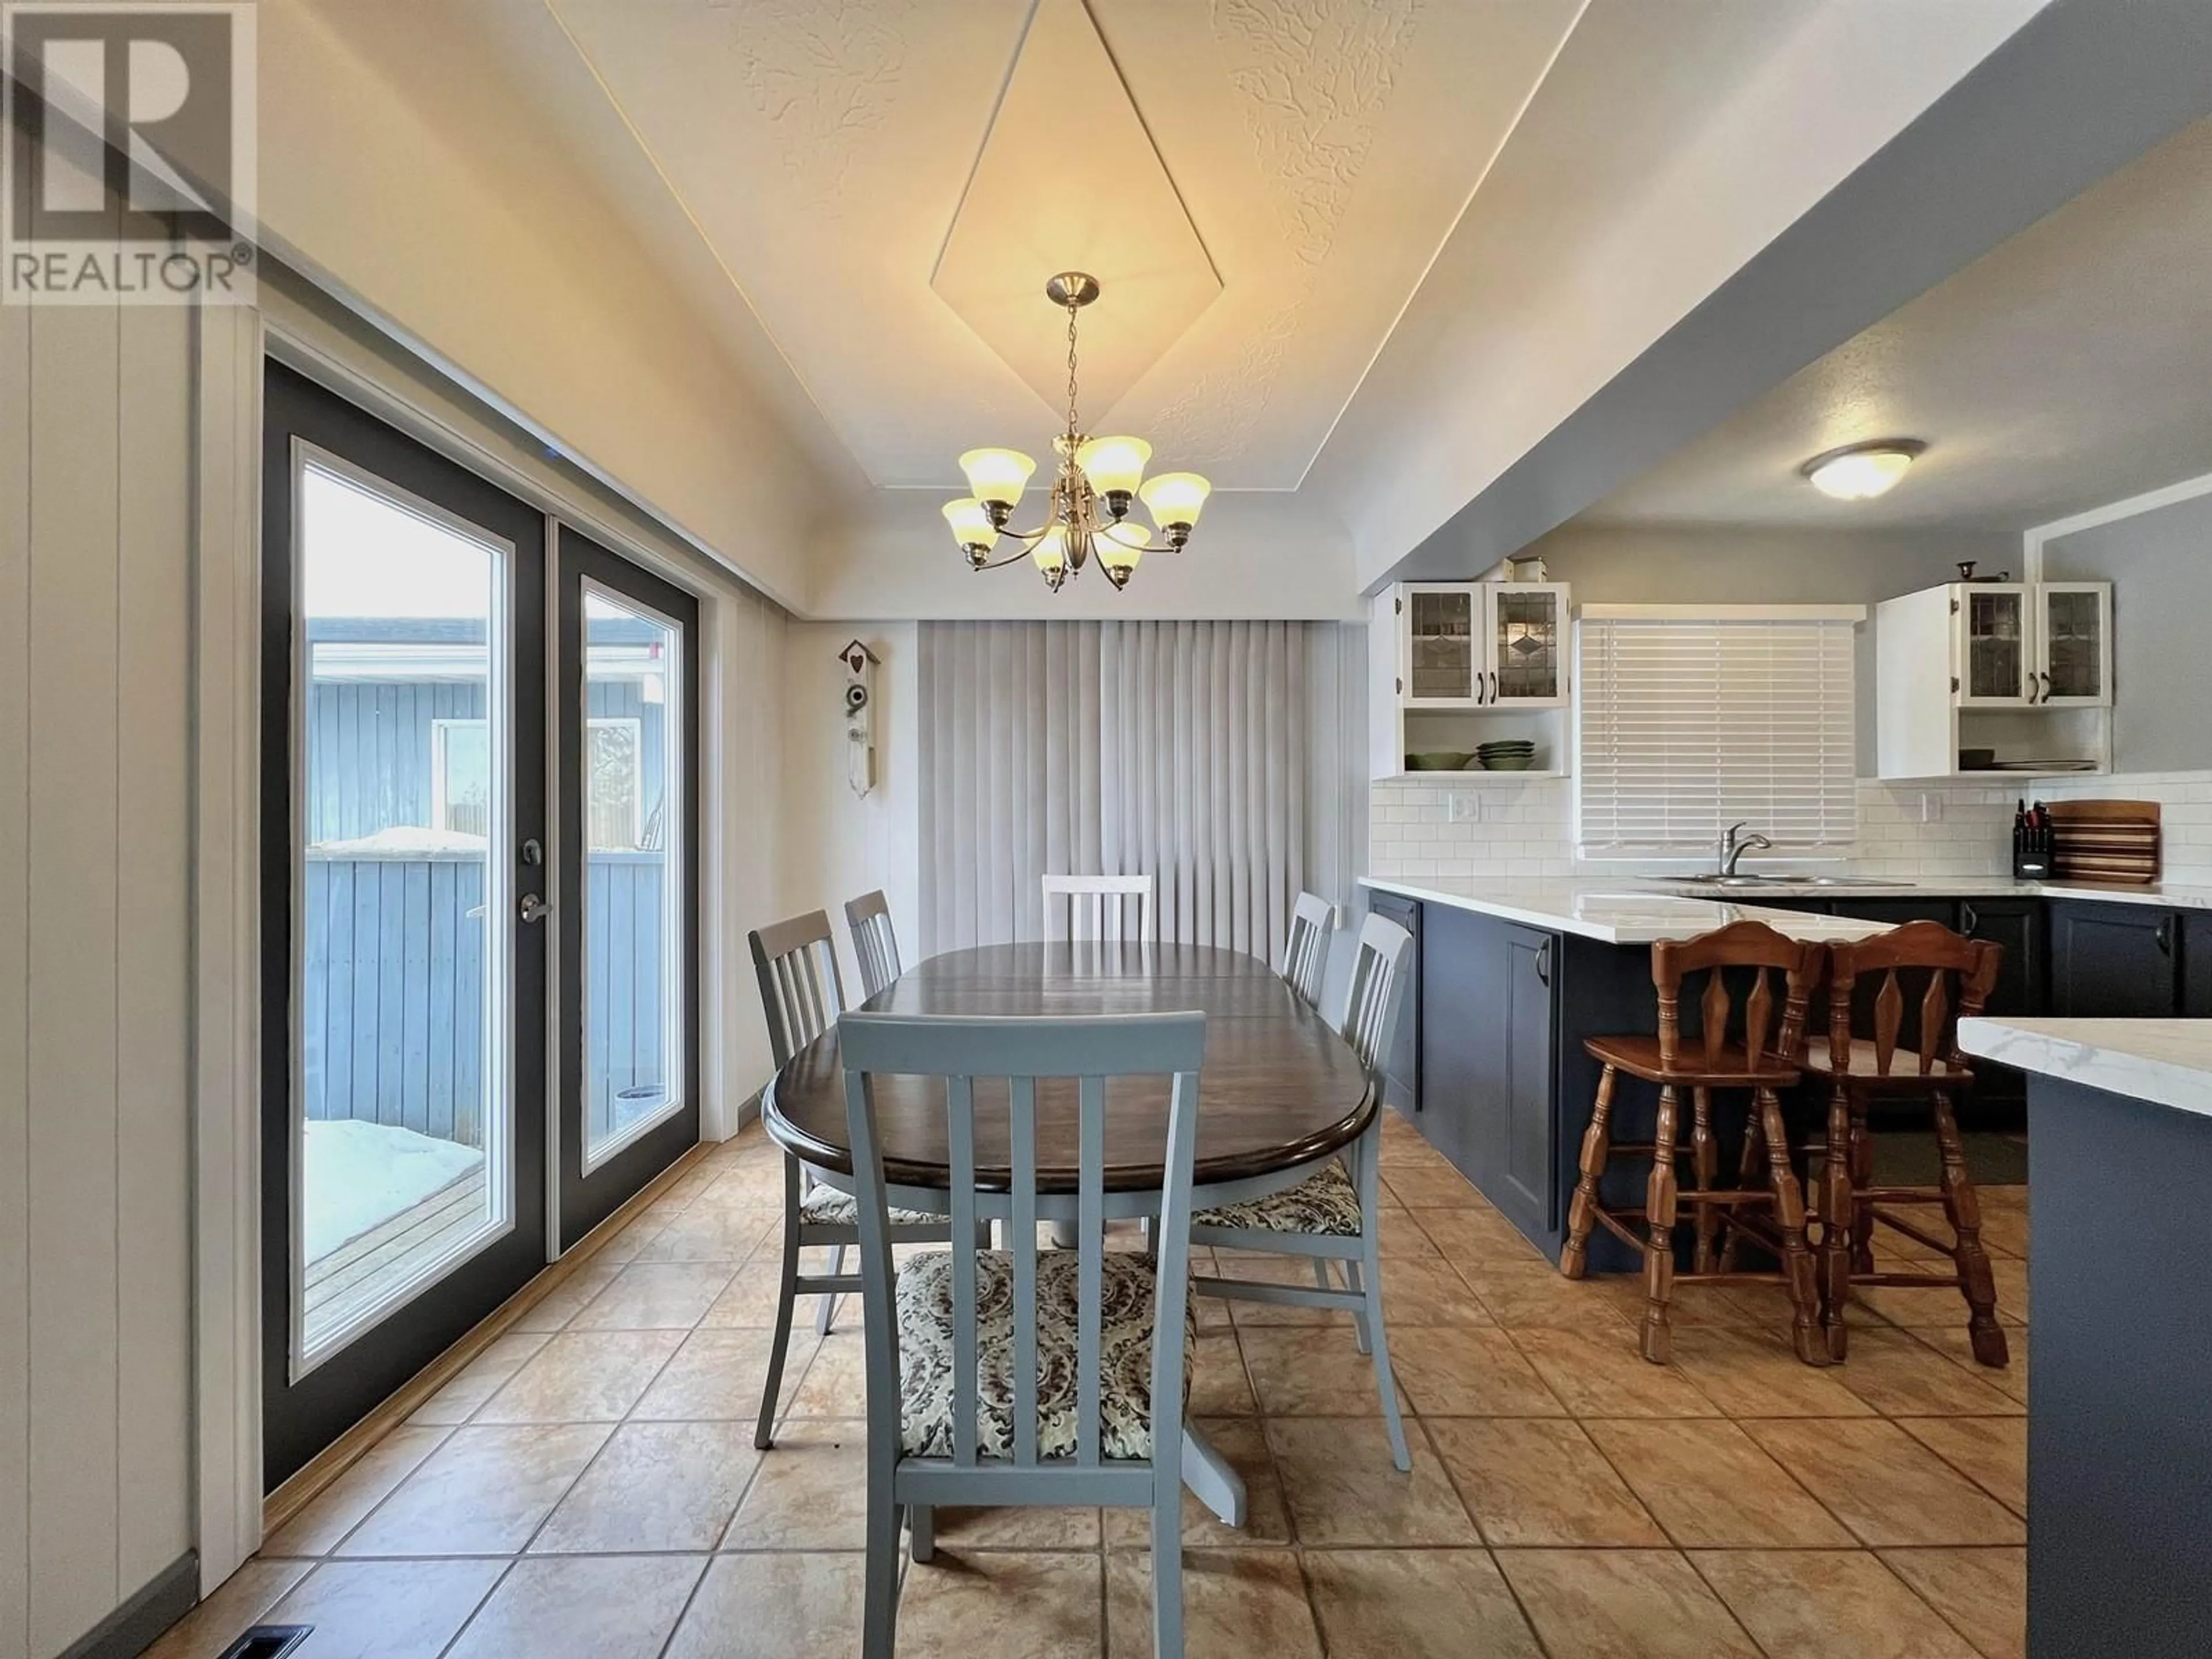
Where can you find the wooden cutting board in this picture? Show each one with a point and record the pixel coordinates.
(2105, 841)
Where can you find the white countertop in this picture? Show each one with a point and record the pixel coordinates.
(2172, 897)
(1615, 912)
(2165, 1061)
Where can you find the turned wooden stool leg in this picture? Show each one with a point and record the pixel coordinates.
(1705, 1160)
(1746, 1178)
(1659, 1245)
(1971, 1259)
(1839, 1221)
(1597, 1147)
(1789, 1222)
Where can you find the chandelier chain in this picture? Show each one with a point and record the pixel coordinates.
(1071, 310)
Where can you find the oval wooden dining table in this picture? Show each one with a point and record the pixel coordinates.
(1279, 1092)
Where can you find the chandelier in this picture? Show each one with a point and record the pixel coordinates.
(1087, 510)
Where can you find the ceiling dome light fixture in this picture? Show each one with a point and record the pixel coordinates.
(1859, 472)
(1097, 479)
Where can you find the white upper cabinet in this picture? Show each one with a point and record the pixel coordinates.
(1481, 645)
(2022, 644)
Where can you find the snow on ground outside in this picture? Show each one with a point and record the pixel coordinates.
(359, 1175)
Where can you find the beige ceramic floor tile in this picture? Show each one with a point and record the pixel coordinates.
(1623, 1604)
(1951, 1342)
(1428, 1293)
(1468, 1371)
(836, 1382)
(2012, 1288)
(340, 1506)
(1234, 1602)
(1750, 1373)
(1040, 1607)
(1310, 1373)
(240, 1599)
(482, 1492)
(1416, 1604)
(1828, 1604)
(649, 1295)
(1243, 1442)
(1039, 1526)
(1433, 1186)
(1983, 1594)
(1478, 1239)
(480, 1379)
(1991, 1451)
(1929, 1304)
(1603, 1373)
(1540, 1481)
(590, 1607)
(720, 1374)
(1219, 1386)
(713, 1232)
(1901, 1377)
(1401, 1235)
(635, 1235)
(774, 1607)
(385, 1609)
(1693, 1307)
(656, 1486)
(1277, 1270)
(1885, 1486)
(750, 1298)
(1533, 1294)
(566, 1299)
(1710, 1486)
(581, 1376)
(811, 1492)
(1342, 1488)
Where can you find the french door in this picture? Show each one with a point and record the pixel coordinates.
(479, 825)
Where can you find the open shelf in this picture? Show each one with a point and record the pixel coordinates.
(1470, 774)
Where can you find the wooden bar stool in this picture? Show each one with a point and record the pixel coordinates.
(1954, 977)
(1744, 1049)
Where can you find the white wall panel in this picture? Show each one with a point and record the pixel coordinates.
(15, 970)
(72, 991)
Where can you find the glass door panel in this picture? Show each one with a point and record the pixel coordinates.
(629, 820)
(1994, 629)
(1527, 635)
(2076, 644)
(405, 1046)
(1443, 644)
(403, 818)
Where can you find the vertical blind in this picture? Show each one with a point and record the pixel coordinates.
(1688, 723)
(1219, 758)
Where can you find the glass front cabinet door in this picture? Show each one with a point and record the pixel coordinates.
(1527, 629)
(1440, 645)
(1995, 645)
(2075, 620)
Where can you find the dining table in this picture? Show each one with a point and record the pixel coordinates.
(1280, 1092)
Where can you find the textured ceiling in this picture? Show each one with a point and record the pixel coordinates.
(1307, 156)
(2069, 367)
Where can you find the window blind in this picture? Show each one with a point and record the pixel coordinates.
(1686, 724)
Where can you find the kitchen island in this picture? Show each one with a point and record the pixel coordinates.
(2119, 1452)
(1489, 1063)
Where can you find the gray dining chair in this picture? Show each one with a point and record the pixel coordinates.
(1102, 906)
(1018, 1378)
(1305, 959)
(1333, 1215)
(802, 995)
(875, 945)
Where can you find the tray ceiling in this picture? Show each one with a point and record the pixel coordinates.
(1261, 185)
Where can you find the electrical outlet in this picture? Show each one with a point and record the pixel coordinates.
(1931, 809)
(1462, 809)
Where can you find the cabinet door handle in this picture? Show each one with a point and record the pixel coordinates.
(1543, 965)
(1493, 685)
(1970, 920)
(2165, 937)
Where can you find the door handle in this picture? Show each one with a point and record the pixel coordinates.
(2164, 937)
(535, 908)
(1493, 685)
(1970, 920)
(1543, 965)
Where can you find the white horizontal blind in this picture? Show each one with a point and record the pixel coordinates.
(1686, 725)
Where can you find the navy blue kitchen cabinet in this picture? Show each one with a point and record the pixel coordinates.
(1401, 1070)
(2114, 961)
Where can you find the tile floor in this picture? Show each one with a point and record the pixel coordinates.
(589, 1486)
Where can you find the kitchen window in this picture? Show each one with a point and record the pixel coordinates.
(1689, 718)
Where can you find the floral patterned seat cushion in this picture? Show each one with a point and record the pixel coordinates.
(827, 1206)
(1323, 1205)
(1124, 1354)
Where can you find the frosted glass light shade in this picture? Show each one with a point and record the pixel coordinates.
(1120, 545)
(1051, 551)
(1114, 466)
(1175, 498)
(997, 475)
(970, 522)
(1862, 471)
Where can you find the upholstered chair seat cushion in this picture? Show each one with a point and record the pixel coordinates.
(825, 1207)
(924, 1299)
(1323, 1205)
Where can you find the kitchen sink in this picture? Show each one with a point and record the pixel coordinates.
(1739, 883)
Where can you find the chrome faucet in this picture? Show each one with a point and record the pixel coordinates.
(1735, 845)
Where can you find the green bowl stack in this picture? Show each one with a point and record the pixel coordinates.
(1438, 760)
(1506, 755)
